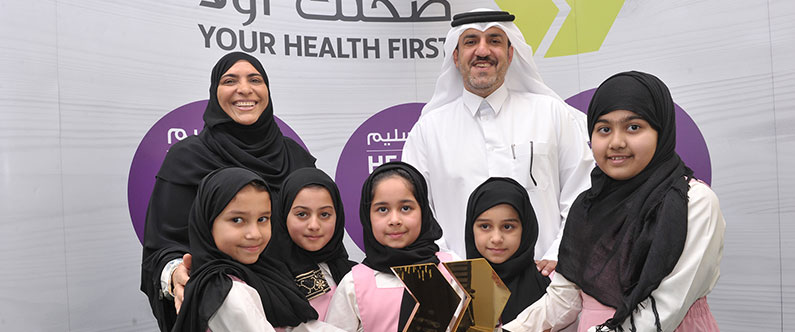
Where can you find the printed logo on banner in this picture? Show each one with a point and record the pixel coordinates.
(584, 29)
(690, 144)
(173, 127)
(332, 47)
(377, 141)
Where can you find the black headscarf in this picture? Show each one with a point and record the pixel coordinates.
(623, 237)
(260, 146)
(423, 250)
(298, 259)
(209, 283)
(518, 272)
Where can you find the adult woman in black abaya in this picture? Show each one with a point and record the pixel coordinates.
(239, 130)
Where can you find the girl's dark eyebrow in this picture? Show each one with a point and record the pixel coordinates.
(623, 120)
(239, 212)
(306, 208)
(401, 202)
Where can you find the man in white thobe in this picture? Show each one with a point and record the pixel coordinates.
(492, 116)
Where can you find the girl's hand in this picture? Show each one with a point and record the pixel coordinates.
(546, 266)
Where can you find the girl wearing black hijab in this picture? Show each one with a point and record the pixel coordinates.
(399, 229)
(234, 287)
(309, 226)
(239, 130)
(501, 227)
(643, 245)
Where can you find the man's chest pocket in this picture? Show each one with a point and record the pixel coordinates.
(533, 163)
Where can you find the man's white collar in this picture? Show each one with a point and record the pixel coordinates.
(496, 99)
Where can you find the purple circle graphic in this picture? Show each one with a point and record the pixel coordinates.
(378, 140)
(175, 126)
(690, 144)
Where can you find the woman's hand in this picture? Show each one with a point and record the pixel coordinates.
(178, 280)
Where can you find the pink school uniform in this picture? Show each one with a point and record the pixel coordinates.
(379, 308)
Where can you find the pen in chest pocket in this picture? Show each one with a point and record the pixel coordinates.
(513, 152)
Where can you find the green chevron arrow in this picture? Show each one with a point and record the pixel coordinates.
(533, 17)
(586, 27)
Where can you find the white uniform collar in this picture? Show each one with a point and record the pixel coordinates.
(496, 99)
(522, 75)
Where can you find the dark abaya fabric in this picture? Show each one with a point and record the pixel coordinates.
(623, 237)
(519, 272)
(298, 259)
(210, 283)
(260, 147)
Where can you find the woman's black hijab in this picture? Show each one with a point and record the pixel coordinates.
(260, 146)
(209, 282)
(518, 272)
(423, 250)
(623, 237)
(299, 260)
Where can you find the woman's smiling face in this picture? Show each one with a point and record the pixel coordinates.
(242, 93)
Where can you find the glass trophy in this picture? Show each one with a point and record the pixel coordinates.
(467, 296)
(487, 291)
(438, 304)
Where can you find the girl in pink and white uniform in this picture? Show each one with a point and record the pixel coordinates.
(309, 227)
(642, 247)
(399, 229)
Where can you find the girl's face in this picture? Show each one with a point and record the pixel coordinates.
(623, 144)
(242, 93)
(243, 228)
(498, 233)
(395, 214)
(312, 218)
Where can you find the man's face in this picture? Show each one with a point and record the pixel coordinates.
(483, 58)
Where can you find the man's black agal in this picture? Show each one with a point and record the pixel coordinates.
(479, 17)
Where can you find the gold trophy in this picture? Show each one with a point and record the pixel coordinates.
(467, 296)
(487, 292)
(438, 304)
